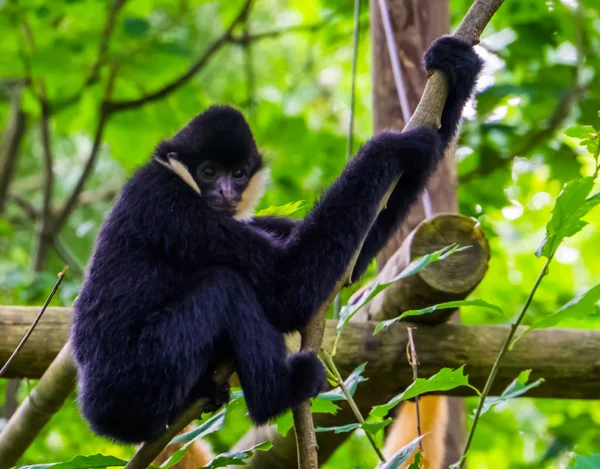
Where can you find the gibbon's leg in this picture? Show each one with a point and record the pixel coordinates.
(319, 250)
(272, 382)
(166, 359)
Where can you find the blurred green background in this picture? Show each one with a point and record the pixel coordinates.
(293, 83)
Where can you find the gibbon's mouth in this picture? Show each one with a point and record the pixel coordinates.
(222, 205)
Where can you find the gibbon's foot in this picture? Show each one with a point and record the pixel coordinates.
(456, 58)
(307, 378)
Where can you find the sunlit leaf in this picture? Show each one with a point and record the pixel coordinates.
(323, 406)
(401, 456)
(581, 131)
(443, 380)
(448, 305)
(578, 308)
(281, 210)
(515, 389)
(572, 204)
(416, 266)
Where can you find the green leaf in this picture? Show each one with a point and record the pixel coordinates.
(515, 389)
(572, 204)
(401, 456)
(323, 406)
(448, 305)
(211, 425)
(375, 427)
(135, 26)
(284, 423)
(237, 459)
(416, 266)
(351, 384)
(578, 308)
(281, 210)
(581, 131)
(416, 462)
(587, 462)
(6, 228)
(443, 380)
(341, 429)
(96, 461)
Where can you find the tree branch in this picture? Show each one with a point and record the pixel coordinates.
(105, 113)
(11, 142)
(45, 231)
(103, 48)
(114, 106)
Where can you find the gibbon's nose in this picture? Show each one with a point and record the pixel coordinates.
(228, 191)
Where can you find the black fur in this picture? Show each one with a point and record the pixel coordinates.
(175, 288)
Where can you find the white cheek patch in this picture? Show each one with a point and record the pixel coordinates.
(252, 195)
(181, 170)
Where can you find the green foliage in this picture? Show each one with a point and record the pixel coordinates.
(571, 206)
(513, 154)
(416, 266)
(515, 389)
(578, 308)
(448, 305)
(443, 380)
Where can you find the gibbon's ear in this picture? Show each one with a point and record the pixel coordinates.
(174, 164)
(252, 194)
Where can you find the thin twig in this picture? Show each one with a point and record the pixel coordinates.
(351, 402)
(181, 80)
(59, 280)
(496, 366)
(414, 363)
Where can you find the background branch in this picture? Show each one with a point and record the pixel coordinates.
(114, 106)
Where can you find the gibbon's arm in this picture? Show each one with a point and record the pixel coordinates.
(320, 248)
(461, 65)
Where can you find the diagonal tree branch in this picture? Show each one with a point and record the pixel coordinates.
(101, 57)
(114, 106)
(69, 206)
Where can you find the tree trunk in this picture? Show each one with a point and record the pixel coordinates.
(415, 24)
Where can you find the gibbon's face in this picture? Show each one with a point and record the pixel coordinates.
(215, 154)
(222, 186)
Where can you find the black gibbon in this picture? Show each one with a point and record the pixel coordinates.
(183, 278)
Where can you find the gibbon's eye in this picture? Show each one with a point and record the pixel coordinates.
(238, 174)
(209, 172)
